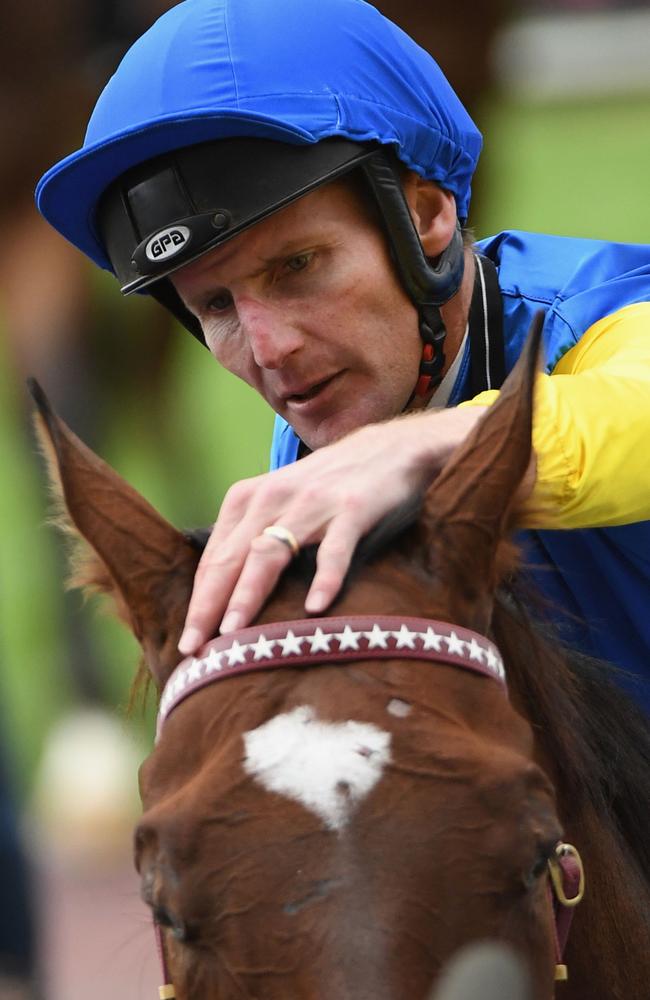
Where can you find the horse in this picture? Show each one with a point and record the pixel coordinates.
(361, 795)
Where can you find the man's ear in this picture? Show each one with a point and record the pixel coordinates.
(433, 211)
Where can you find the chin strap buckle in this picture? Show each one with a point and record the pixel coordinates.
(433, 355)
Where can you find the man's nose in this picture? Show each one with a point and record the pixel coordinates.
(271, 331)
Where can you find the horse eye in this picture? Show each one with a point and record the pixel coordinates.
(539, 868)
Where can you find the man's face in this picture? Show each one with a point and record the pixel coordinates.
(307, 309)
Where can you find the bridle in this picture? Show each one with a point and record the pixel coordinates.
(314, 642)
(325, 641)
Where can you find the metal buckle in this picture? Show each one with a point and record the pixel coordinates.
(557, 875)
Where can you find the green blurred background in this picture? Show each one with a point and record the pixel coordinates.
(572, 165)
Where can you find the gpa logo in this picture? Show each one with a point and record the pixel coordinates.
(167, 242)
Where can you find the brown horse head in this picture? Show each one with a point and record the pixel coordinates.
(338, 832)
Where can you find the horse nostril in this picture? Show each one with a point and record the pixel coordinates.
(155, 893)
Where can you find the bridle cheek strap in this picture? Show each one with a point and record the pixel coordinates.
(167, 990)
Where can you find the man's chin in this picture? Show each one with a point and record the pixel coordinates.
(329, 430)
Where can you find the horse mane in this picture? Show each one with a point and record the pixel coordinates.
(596, 736)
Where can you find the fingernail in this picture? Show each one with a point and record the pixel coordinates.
(190, 640)
(316, 602)
(231, 622)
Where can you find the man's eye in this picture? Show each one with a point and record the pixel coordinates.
(220, 301)
(299, 262)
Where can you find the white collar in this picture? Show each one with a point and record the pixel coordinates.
(442, 393)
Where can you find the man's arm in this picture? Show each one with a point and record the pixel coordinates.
(592, 429)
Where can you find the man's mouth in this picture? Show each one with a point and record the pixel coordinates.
(314, 390)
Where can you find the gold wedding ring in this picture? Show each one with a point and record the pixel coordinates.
(283, 535)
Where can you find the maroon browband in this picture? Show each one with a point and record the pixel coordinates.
(319, 641)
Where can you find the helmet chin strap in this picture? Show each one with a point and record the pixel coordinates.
(428, 284)
(485, 332)
(432, 333)
(450, 264)
(432, 327)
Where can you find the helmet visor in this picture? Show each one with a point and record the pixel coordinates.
(167, 212)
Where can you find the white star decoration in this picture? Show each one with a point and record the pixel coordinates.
(454, 644)
(236, 653)
(475, 651)
(348, 639)
(263, 648)
(195, 670)
(492, 660)
(377, 638)
(291, 644)
(213, 662)
(404, 639)
(495, 664)
(431, 639)
(319, 642)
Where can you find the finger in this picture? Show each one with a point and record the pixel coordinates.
(236, 504)
(218, 587)
(267, 556)
(215, 578)
(266, 560)
(332, 562)
(221, 563)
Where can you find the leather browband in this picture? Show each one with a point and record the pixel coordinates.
(319, 641)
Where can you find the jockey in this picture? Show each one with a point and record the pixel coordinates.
(291, 180)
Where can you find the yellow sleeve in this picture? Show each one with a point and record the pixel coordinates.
(591, 431)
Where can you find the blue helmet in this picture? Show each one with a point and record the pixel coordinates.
(283, 95)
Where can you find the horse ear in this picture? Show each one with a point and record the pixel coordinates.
(141, 560)
(468, 509)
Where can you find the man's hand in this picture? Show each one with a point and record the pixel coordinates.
(334, 496)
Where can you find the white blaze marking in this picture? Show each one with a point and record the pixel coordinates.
(329, 767)
(399, 708)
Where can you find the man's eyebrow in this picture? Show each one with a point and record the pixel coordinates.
(292, 246)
